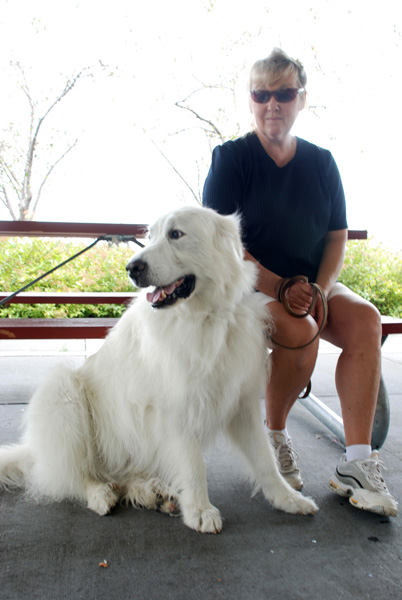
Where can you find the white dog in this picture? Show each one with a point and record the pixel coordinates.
(184, 363)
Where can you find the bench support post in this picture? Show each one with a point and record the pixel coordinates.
(335, 423)
(324, 414)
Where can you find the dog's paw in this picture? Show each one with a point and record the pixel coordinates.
(151, 494)
(203, 520)
(296, 503)
(101, 497)
(140, 494)
(168, 506)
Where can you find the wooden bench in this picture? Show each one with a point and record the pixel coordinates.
(87, 328)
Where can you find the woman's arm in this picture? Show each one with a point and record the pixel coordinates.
(332, 259)
(268, 282)
(300, 295)
(223, 188)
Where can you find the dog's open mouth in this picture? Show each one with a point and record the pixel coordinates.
(167, 295)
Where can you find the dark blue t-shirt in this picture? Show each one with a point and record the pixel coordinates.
(286, 211)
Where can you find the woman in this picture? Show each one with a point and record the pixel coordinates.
(291, 199)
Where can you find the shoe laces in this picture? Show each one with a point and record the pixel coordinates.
(372, 468)
(286, 455)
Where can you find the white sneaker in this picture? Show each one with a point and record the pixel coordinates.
(362, 481)
(286, 456)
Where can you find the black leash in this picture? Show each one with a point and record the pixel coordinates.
(317, 291)
(108, 238)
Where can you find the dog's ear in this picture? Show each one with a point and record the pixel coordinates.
(228, 231)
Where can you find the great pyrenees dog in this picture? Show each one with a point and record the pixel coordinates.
(186, 362)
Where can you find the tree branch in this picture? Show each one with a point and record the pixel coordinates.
(68, 88)
(23, 189)
(177, 173)
(53, 166)
(7, 203)
(9, 175)
(212, 125)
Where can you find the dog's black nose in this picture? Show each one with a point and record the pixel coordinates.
(136, 268)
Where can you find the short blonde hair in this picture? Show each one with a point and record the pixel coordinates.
(270, 70)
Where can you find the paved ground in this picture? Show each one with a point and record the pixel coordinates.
(53, 551)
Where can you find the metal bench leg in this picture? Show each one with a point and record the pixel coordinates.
(381, 418)
(335, 423)
(324, 414)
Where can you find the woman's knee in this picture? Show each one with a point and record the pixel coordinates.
(293, 333)
(367, 321)
(354, 323)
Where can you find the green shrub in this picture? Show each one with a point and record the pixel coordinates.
(370, 270)
(375, 273)
(100, 269)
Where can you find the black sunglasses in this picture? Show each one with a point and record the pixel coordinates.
(286, 95)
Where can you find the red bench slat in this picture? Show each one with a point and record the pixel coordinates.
(73, 230)
(97, 327)
(70, 297)
(37, 329)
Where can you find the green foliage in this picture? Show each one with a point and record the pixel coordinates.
(375, 273)
(100, 269)
(370, 270)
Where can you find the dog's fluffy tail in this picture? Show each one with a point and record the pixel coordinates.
(14, 461)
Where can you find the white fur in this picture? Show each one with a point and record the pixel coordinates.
(131, 423)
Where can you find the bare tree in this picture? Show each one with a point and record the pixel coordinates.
(17, 165)
(215, 123)
(210, 129)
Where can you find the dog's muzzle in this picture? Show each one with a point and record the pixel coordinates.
(163, 295)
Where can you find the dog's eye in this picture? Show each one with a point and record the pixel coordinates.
(175, 234)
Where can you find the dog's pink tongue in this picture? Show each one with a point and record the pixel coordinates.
(156, 294)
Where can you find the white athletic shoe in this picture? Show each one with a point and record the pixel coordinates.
(286, 456)
(362, 481)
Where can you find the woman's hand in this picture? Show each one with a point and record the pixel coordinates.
(299, 297)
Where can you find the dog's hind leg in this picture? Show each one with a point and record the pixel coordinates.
(61, 437)
(14, 465)
(247, 432)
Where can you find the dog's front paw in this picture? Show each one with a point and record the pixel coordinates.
(203, 520)
(296, 503)
(101, 497)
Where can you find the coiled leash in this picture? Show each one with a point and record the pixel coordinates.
(108, 238)
(317, 291)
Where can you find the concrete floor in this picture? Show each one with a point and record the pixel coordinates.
(53, 551)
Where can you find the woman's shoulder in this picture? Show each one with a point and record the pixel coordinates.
(240, 146)
(311, 152)
(308, 148)
(236, 154)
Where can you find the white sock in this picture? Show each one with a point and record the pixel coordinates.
(358, 452)
(283, 432)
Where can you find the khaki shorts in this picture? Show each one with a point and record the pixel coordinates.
(338, 288)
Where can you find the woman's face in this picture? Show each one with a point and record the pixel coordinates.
(274, 119)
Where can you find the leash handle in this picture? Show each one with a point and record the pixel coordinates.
(285, 285)
(317, 291)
